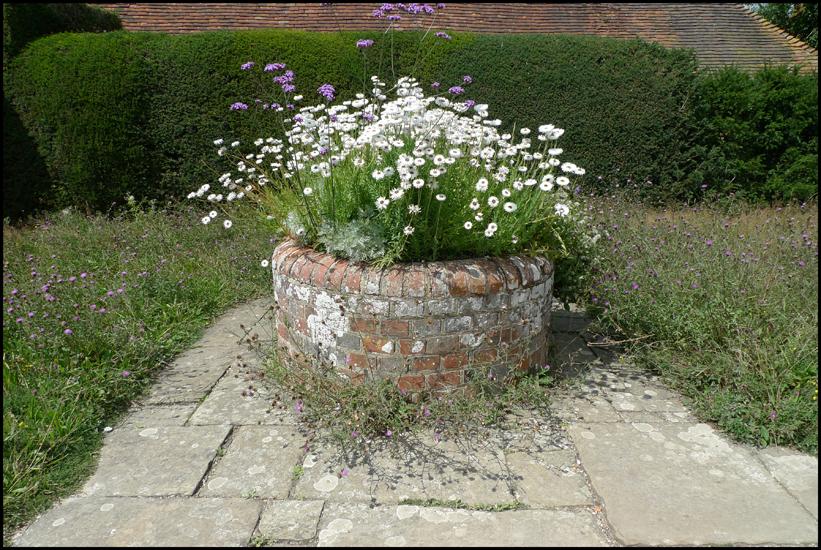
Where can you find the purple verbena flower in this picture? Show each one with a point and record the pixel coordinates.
(274, 67)
(470, 103)
(288, 87)
(468, 79)
(394, 18)
(456, 90)
(364, 43)
(435, 85)
(378, 13)
(442, 35)
(326, 90)
(247, 66)
(237, 106)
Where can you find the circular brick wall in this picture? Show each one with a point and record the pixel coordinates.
(428, 325)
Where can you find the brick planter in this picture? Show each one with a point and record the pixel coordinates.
(427, 325)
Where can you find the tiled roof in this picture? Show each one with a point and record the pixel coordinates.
(721, 34)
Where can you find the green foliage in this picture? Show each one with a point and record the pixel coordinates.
(361, 240)
(761, 132)
(800, 20)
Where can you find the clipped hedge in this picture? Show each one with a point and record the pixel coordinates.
(137, 113)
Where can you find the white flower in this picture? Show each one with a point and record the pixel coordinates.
(481, 186)
(555, 134)
(515, 239)
(561, 180)
(378, 174)
(396, 194)
(524, 131)
(418, 183)
(488, 232)
(227, 224)
(408, 230)
(418, 161)
(468, 225)
(492, 226)
(568, 167)
(307, 191)
(264, 263)
(109, 428)
(382, 203)
(218, 142)
(510, 207)
(479, 216)
(205, 220)
(213, 213)
(579, 171)
(235, 144)
(546, 186)
(554, 162)
(474, 204)
(518, 185)
(440, 197)
(493, 202)
(438, 160)
(562, 210)
(505, 193)
(554, 152)
(435, 173)
(530, 182)
(414, 209)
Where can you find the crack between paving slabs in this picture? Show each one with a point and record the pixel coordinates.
(229, 437)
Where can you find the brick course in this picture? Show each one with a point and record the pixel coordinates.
(425, 325)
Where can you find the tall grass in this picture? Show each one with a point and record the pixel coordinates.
(93, 309)
(722, 300)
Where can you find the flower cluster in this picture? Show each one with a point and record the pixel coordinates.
(420, 178)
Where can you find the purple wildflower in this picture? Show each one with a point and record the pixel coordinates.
(237, 106)
(247, 66)
(364, 43)
(326, 90)
(468, 80)
(442, 35)
(274, 67)
(456, 90)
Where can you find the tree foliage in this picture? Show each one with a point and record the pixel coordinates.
(800, 20)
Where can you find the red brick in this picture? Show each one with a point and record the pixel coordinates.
(438, 280)
(411, 382)
(496, 337)
(477, 280)
(495, 279)
(444, 379)
(371, 281)
(307, 269)
(357, 360)
(456, 360)
(364, 325)
(282, 331)
(301, 325)
(282, 254)
(524, 269)
(512, 277)
(322, 270)
(406, 347)
(485, 356)
(393, 285)
(356, 377)
(289, 261)
(457, 280)
(442, 344)
(297, 266)
(336, 275)
(375, 345)
(425, 363)
(354, 275)
(395, 328)
(415, 277)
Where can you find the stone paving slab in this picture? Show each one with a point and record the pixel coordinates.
(155, 461)
(544, 480)
(226, 330)
(685, 484)
(420, 468)
(797, 472)
(225, 404)
(153, 417)
(357, 524)
(258, 460)
(130, 521)
(290, 520)
(192, 375)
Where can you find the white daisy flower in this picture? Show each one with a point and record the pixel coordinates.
(468, 225)
(555, 151)
(505, 193)
(418, 183)
(264, 263)
(396, 194)
(408, 230)
(382, 203)
(227, 224)
(307, 191)
(493, 202)
(524, 131)
(205, 220)
(481, 186)
(414, 209)
(378, 174)
(568, 167)
(488, 232)
(518, 185)
(418, 161)
(213, 213)
(510, 207)
(562, 210)
(479, 216)
(435, 173)
(438, 160)
(545, 186)
(218, 142)
(474, 204)
(530, 182)
(440, 197)
(515, 239)
(561, 180)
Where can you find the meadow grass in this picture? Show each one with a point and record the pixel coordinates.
(94, 307)
(721, 299)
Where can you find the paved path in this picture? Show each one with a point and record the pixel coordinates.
(617, 461)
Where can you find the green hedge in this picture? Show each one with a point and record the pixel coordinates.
(138, 112)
